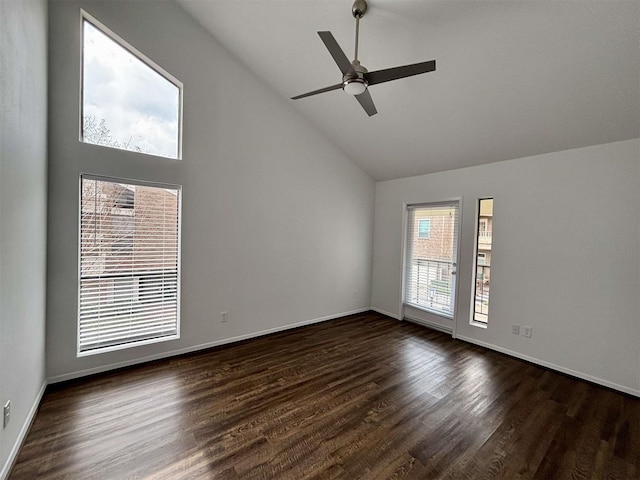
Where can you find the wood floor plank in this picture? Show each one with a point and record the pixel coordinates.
(361, 397)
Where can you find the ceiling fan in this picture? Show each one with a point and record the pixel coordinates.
(356, 78)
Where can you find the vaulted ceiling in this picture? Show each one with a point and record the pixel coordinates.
(513, 79)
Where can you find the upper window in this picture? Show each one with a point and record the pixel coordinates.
(128, 102)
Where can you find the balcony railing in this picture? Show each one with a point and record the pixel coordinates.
(483, 277)
(484, 239)
(430, 284)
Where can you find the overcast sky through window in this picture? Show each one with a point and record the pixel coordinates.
(140, 107)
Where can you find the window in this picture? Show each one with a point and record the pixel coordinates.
(483, 262)
(129, 270)
(424, 226)
(482, 227)
(128, 102)
(430, 257)
(123, 228)
(123, 220)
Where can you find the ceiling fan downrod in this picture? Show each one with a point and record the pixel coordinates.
(353, 81)
(358, 10)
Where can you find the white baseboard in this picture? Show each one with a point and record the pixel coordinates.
(388, 314)
(552, 366)
(195, 348)
(6, 468)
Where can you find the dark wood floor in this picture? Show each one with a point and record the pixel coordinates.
(363, 397)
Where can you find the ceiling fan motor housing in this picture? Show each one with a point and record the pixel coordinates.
(354, 81)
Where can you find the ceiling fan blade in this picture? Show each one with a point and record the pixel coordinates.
(381, 76)
(367, 103)
(321, 90)
(336, 52)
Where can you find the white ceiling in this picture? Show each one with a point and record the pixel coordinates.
(514, 78)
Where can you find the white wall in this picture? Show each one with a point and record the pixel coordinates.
(23, 193)
(277, 223)
(565, 256)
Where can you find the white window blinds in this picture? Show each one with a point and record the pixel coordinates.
(129, 264)
(430, 257)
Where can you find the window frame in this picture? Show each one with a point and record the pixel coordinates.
(85, 16)
(135, 343)
(481, 226)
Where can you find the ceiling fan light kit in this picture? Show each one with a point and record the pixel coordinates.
(354, 87)
(356, 79)
(354, 82)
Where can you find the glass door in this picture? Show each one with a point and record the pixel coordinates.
(431, 254)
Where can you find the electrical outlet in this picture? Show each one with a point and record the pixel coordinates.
(527, 331)
(6, 414)
(224, 317)
(515, 329)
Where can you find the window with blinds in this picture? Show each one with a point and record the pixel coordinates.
(129, 264)
(430, 257)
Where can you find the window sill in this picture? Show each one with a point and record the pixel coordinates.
(122, 346)
(475, 323)
(422, 308)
